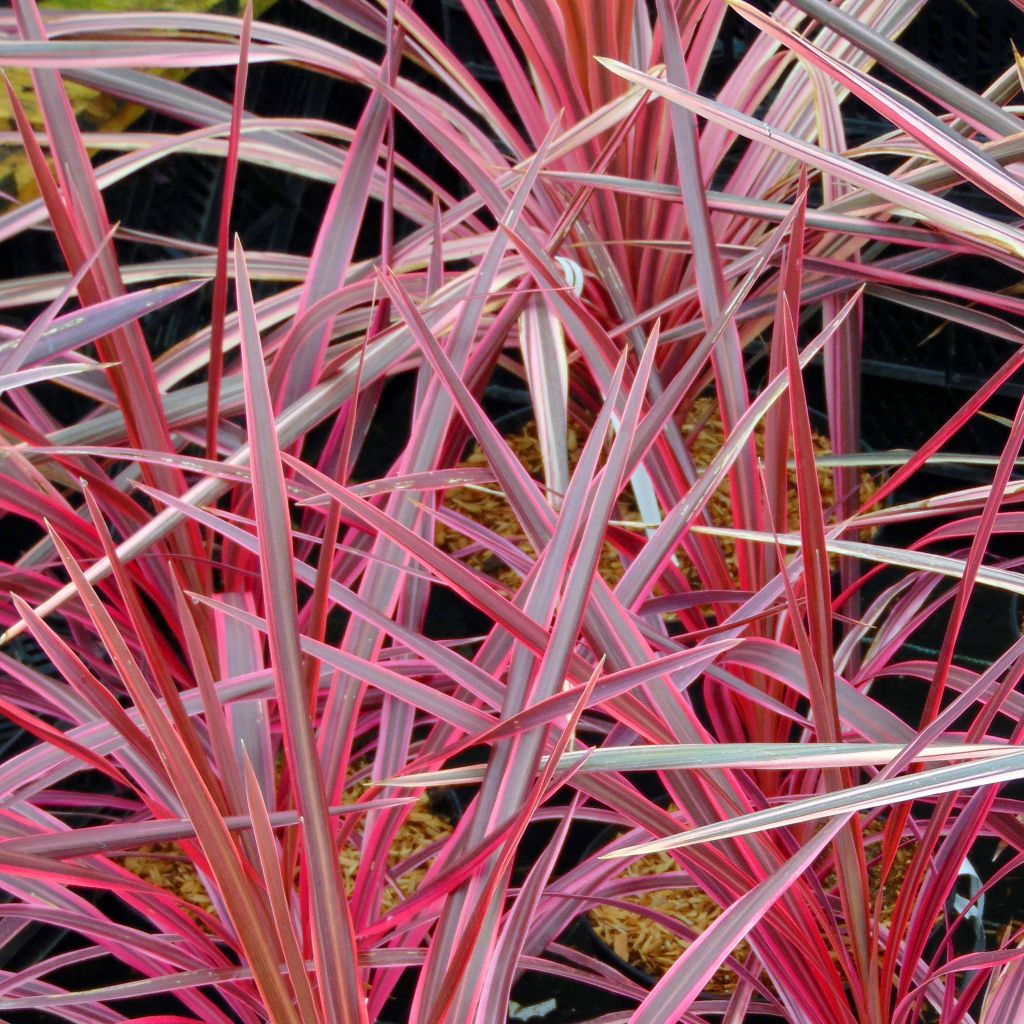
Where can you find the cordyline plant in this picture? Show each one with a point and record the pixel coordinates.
(227, 622)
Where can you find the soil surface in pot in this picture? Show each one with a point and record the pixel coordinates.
(167, 866)
(635, 939)
(704, 434)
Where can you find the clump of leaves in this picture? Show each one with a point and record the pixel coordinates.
(232, 616)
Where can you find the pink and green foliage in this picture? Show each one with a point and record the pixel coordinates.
(231, 620)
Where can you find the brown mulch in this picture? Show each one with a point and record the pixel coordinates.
(166, 865)
(704, 435)
(650, 948)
